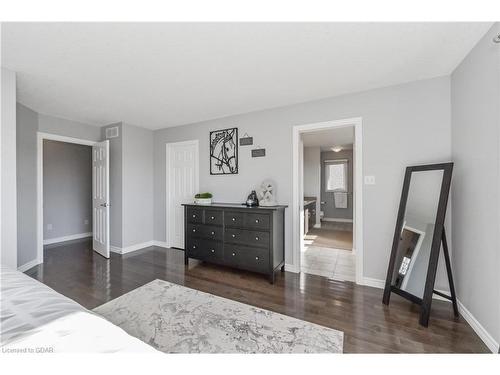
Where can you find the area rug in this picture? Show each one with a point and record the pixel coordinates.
(176, 319)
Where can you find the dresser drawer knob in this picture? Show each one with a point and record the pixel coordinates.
(256, 258)
(234, 254)
(212, 217)
(194, 215)
(194, 246)
(257, 220)
(256, 238)
(213, 251)
(194, 230)
(213, 233)
(234, 219)
(233, 235)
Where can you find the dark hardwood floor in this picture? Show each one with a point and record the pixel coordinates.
(84, 276)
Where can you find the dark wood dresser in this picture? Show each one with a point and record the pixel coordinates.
(248, 238)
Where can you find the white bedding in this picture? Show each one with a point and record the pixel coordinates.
(35, 318)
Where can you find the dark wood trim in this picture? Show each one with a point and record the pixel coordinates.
(453, 296)
(437, 237)
(397, 234)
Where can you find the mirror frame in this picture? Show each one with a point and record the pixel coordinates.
(438, 237)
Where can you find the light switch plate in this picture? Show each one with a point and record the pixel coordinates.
(86, 222)
(369, 180)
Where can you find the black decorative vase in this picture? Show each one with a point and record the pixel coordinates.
(252, 200)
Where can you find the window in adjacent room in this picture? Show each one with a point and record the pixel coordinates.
(336, 175)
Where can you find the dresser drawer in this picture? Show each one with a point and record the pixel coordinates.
(211, 232)
(194, 230)
(205, 249)
(247, 237)
(257, 221)
(234, 219)
(213, 217)
(248, 258)
(194, 215)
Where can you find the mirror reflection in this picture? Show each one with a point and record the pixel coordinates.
(415, 241)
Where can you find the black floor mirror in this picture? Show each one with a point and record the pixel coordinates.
(419, 237)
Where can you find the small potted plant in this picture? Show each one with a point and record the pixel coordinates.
(203, 198)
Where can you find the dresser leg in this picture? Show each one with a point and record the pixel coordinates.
(283, 268)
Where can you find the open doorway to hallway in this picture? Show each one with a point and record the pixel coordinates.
(328, 189)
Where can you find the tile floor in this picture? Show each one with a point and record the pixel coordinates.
(335, 264)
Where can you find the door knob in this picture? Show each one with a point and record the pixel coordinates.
(104, 204)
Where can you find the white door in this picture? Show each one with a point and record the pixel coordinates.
(100, 197)
(182, 185)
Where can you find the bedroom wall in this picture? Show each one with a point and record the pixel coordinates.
(137, 185)
(8, 206)
(67, 189)
(27, 125)
(475, 98)
(402, 125)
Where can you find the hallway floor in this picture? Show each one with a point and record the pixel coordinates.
(331, 234)
(336, 264)
(328, 252)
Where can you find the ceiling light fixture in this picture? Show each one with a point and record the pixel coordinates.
(336, 149)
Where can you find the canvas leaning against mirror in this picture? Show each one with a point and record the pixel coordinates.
(419, 237)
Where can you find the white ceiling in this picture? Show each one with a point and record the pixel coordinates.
(158, 75)
(326, 139)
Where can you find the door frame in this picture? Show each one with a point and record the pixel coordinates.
(168, 146)
(297, 188)
(41, 136)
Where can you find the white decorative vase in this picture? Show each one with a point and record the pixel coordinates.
(203, 200)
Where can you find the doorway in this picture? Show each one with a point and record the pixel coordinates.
(327, 199)
(73, 192)
(182, 183)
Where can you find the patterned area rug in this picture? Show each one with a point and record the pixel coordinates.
(176, 319)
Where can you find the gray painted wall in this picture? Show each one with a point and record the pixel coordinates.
(115, 185)
(475, 95)
(68, 128)
(329, 207)
(67, 189)
(27, 169)
(27, 124)
(312, 176)
(8, 205)
(137, 185)
(402, 125)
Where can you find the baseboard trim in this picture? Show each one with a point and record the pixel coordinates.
(338, 220)
(374, 283)
(291, 268)
(161, 244)
(478, 328)
(71, 237)
(129, 249)
(27, 266)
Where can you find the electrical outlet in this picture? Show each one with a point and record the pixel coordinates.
(86, 221)
(49, 226)
(369, 180)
